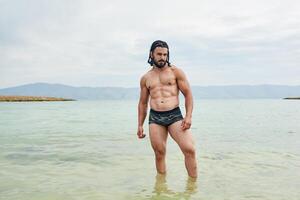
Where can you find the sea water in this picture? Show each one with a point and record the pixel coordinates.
(246, 149)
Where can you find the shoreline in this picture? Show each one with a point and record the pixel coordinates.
(31, 98)
(292, 98)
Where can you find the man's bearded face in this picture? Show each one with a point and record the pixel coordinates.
(159, 56)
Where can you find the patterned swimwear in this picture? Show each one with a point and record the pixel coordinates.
(165, 118)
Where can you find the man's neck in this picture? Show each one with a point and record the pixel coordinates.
(160, 68)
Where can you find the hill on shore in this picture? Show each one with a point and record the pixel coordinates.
(120, 93)
(30, 98)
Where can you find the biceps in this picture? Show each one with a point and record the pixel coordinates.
(184, 86)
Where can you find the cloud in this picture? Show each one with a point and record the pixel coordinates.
(84, 42)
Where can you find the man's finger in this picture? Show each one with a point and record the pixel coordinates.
(183, 125)
(186, 126)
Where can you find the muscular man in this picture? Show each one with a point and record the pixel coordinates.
(162, 84)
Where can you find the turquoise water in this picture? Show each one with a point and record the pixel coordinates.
(246, 149)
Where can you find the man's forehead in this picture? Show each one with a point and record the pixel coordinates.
(161, 50)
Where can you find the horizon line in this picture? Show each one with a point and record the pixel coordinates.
(259, 84)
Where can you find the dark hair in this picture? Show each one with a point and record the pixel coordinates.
(155, 44)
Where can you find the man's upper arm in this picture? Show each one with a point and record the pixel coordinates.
(144, 93)
(182, 82)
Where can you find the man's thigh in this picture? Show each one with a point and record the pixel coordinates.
(183, 138)
(158, 136)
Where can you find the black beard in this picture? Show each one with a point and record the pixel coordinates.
(159, 64)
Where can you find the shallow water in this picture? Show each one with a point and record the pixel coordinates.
(246, 149)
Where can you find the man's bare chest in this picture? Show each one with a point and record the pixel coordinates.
(158, 80)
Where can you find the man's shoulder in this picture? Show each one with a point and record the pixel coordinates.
(146, 75)
(176, 70)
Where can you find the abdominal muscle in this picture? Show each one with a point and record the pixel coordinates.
(164, 100)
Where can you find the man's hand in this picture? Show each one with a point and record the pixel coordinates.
(140, 132)
(186, 123)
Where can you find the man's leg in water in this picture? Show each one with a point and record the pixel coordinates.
(158, 137)
(186, 143)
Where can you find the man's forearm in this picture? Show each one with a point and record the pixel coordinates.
(142, 113)
(189, 104)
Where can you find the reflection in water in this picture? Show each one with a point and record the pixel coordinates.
(161, 190)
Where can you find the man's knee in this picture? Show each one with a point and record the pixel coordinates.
(189, 151)
(160, 153)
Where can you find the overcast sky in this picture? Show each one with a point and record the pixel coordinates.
(106, 43)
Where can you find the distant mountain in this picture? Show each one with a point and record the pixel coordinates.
(115, 93)
(65, 91)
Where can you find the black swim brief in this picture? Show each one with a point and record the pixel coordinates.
(165, 118)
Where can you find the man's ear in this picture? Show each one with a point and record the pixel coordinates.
(151, 54)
